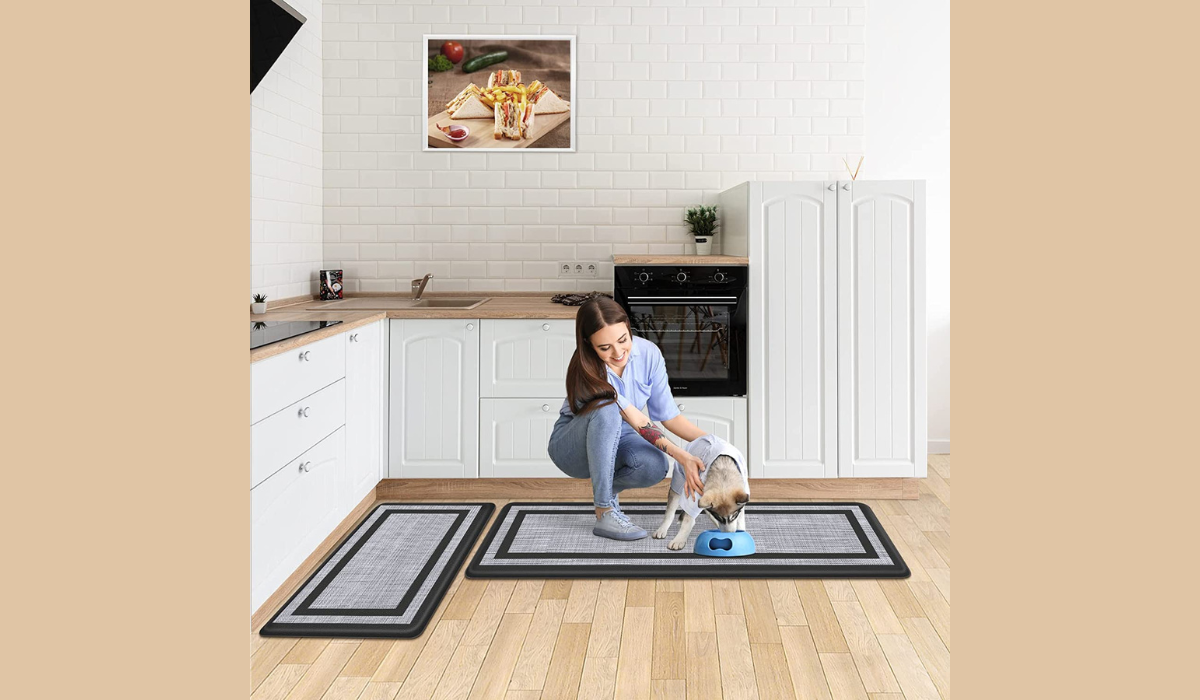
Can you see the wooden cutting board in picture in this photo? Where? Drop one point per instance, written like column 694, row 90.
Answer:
column 506, row 113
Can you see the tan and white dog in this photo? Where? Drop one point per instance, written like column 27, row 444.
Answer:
column 726, row 491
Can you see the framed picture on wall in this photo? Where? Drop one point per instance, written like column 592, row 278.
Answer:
column 496, row 92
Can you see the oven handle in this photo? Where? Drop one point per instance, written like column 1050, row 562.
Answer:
column 686, row 300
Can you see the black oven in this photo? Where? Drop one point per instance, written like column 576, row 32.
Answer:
column 697, row 315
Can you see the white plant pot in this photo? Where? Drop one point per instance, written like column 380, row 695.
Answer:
column 258, row 308
column 704, row 245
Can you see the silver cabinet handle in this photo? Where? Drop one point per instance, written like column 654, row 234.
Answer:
column 354, row 338
column 546, row 407
column 303, row 413
column 545, row 326
column 832, row 188
column 470, row 326
column 304, row 355
column 681, row 407
column 846, row 187
column 307, row 466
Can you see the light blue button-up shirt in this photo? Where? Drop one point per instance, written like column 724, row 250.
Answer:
column 643, row 383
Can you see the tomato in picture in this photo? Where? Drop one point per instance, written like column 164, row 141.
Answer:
column 453, row 51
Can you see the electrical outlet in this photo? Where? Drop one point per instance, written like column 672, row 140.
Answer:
column 578, row 270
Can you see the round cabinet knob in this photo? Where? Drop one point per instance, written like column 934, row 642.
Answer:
column 470, row 326
column 303, row 412
column 307, row 467
column 846, row 187
column 832, row 188
column 304, row 355
column 546, row 407
column 681, row 407
column 545, row 326
column 354, row 338
column 681, row 277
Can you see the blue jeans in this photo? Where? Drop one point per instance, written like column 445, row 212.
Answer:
column 594, row 446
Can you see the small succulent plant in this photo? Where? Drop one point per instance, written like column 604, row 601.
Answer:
column 703, row 220
column 260, row 298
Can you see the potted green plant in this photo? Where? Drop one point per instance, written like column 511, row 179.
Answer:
column 260, row 304
column 703, row 221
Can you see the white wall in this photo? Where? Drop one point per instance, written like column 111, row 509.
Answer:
column 285, row 161
column 908, row 136
column 772, row 92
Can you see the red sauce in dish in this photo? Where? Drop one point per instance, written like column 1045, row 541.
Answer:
column 457, row 132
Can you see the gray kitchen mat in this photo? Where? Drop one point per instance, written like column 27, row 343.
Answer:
column 388, row 576
column 793, row 540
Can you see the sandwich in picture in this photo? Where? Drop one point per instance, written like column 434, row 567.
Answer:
column 546, row 100
column 468, row 104
column 514, row 119
column 503, row 78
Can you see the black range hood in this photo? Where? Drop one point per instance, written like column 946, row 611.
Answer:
column 273, row 23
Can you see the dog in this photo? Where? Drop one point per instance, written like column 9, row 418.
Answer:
column 726, row 491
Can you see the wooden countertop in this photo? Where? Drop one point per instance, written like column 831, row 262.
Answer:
column 680, row 260
column 497, row 306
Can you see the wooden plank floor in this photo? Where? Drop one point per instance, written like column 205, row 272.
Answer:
column 832, row 639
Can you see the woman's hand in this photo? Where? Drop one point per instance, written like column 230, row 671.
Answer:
column 692, row 466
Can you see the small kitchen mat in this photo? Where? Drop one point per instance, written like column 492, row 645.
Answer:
column 793, row 540
column 388, row 576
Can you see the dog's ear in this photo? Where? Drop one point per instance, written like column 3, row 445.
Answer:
column 741, row 497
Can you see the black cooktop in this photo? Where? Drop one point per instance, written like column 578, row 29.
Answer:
column 267, row 332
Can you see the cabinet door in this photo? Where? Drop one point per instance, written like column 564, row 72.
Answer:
column 513, row 435
column 793, row 330
column 434, row 398
column 525, row 357
column 881, row 329
column 724, row 417
column 364, row 411
column 292, row 512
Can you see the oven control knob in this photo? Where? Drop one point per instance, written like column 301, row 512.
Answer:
column 681, row 277
column 643, row 277
column 719, row 277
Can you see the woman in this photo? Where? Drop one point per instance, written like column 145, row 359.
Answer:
column 601, row 434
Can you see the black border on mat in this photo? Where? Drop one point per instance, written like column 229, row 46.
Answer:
column 388, row 631
column 897, row 570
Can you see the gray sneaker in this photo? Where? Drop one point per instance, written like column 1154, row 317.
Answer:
column 615, row 526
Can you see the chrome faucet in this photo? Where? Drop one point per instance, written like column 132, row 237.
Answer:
column 418, row 286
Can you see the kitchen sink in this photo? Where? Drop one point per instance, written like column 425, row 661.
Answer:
column 391, row 303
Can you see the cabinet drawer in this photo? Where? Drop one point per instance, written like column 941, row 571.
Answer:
column 513, row 434
column 284, row 379
column 525, row 357
column 292, row 512
column 286, row 434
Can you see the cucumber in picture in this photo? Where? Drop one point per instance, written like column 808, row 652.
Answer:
column 483, row 61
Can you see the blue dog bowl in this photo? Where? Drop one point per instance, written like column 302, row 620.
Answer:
column 714, row 543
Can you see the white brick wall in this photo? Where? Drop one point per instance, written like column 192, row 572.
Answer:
column 675, row 100
column 285, row 161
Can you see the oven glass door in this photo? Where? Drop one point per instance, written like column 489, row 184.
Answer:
column 696, row 340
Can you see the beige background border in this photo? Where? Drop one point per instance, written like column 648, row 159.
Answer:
column 1075, row 370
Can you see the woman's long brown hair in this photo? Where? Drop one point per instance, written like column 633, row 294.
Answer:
column 587, row 377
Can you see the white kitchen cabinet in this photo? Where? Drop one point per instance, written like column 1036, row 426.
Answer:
column 292, row 512
column 723, row 416
column 882, row 392
column 280, row 437
column 365, row 395
column 433, row 398
column 523, row 357
column 290, row 376
column 513, row 436
column 837, row 331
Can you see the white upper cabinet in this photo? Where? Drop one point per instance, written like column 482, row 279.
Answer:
column 525, row 357
column 793, row 338
column 434, row 398
column 881, row 329
column 364, row 410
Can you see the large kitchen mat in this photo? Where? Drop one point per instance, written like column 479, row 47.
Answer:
column 388, row 576
column 793, row 540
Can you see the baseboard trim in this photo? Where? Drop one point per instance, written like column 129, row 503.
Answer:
column 939, row 447
column 309, row 565
column 580, row 489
